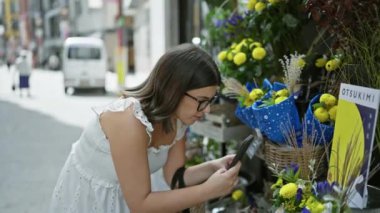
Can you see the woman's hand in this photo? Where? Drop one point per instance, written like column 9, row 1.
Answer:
column 222, row 162
column 223, row 181
column 201, row 172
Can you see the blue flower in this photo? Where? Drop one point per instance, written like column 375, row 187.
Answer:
column 250, row 86
column 305, row 210
column 219, row 23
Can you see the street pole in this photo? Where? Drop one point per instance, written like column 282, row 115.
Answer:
column 120, row 52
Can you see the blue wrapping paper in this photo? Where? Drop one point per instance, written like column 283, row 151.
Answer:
column 240, row 114
column 319, row 132
column 274, row 120
column 245, row 114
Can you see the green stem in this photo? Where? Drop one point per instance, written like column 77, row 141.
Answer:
column 315, row 41
column 223, row 4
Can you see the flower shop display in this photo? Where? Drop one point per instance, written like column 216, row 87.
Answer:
column 303, row 50
column 250, row 40
column 274, row 113
column 294, row 194
column 244, row 60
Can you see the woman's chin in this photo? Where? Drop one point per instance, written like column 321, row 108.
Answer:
column 191, row 120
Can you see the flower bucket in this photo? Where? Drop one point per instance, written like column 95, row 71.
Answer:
column 319, row 132
column 278, row 119
column 283, row 156
column 245, row 114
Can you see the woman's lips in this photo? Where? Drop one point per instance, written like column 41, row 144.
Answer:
column 198, row 117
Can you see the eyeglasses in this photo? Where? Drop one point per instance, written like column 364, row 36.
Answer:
column 202, row 104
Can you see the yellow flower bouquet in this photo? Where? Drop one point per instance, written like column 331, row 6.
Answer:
column 291, row 194
column 320, row 117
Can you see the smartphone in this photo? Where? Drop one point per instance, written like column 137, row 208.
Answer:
column 241, row 151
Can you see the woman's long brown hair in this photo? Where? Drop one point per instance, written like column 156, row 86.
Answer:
column 183, row 68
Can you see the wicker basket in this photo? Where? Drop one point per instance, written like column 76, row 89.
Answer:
column 283, row 156
column 200, row 208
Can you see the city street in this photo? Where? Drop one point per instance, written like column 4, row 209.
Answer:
column 36, row 134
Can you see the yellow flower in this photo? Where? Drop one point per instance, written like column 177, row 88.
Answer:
column 240, row 58
column 259, row 53
column 289, row 190
column 237, row 194
column 314, row 206
column 255, row 44
column 230, row 55
column 301, row 63
column 278, row 183
column 251, row 4
column 273, row 1
column 260, row 6
column 280, row 99
column 328, row 99
column 222, row 55
column 256, row 94
column 332, row 64
column 282, row 93
column 238, row 47
column 248, row 102
column 319, row 208
column 320, row 62
column 332, row 112
column 321, row 114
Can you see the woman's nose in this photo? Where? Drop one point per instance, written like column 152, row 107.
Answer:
column 207, row 109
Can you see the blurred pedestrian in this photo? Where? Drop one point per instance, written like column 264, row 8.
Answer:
column 9, row 64
column 109, row 167
column 24, row 70
column 53, row 62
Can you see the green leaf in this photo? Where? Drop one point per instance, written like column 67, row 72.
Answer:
column 317, row 105
column 290, row 20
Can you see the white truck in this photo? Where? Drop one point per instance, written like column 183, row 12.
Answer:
column 84, row 63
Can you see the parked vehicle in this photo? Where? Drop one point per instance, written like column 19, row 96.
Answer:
column 84, row 63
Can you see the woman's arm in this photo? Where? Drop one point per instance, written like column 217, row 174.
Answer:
column 195, row 174
column 176, row 159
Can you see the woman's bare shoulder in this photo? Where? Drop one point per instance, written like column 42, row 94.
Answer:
column 122, row 124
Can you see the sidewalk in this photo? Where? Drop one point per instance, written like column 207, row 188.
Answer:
column 6, row 79
column 131, row 80
column 48, row 96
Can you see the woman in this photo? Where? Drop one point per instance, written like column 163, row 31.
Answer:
column 24, row 71
column 109, row 167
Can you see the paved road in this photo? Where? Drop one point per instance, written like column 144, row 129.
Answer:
column 33, row 149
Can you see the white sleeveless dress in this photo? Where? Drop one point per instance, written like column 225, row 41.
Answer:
column 88, row 181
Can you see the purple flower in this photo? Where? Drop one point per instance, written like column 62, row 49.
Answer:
column 295, row 167
column 247, row 12
column 292, row 168
column 235, row 19
column 219, row 23
column 299, row 195
column 323, row 188
column 305, row 210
